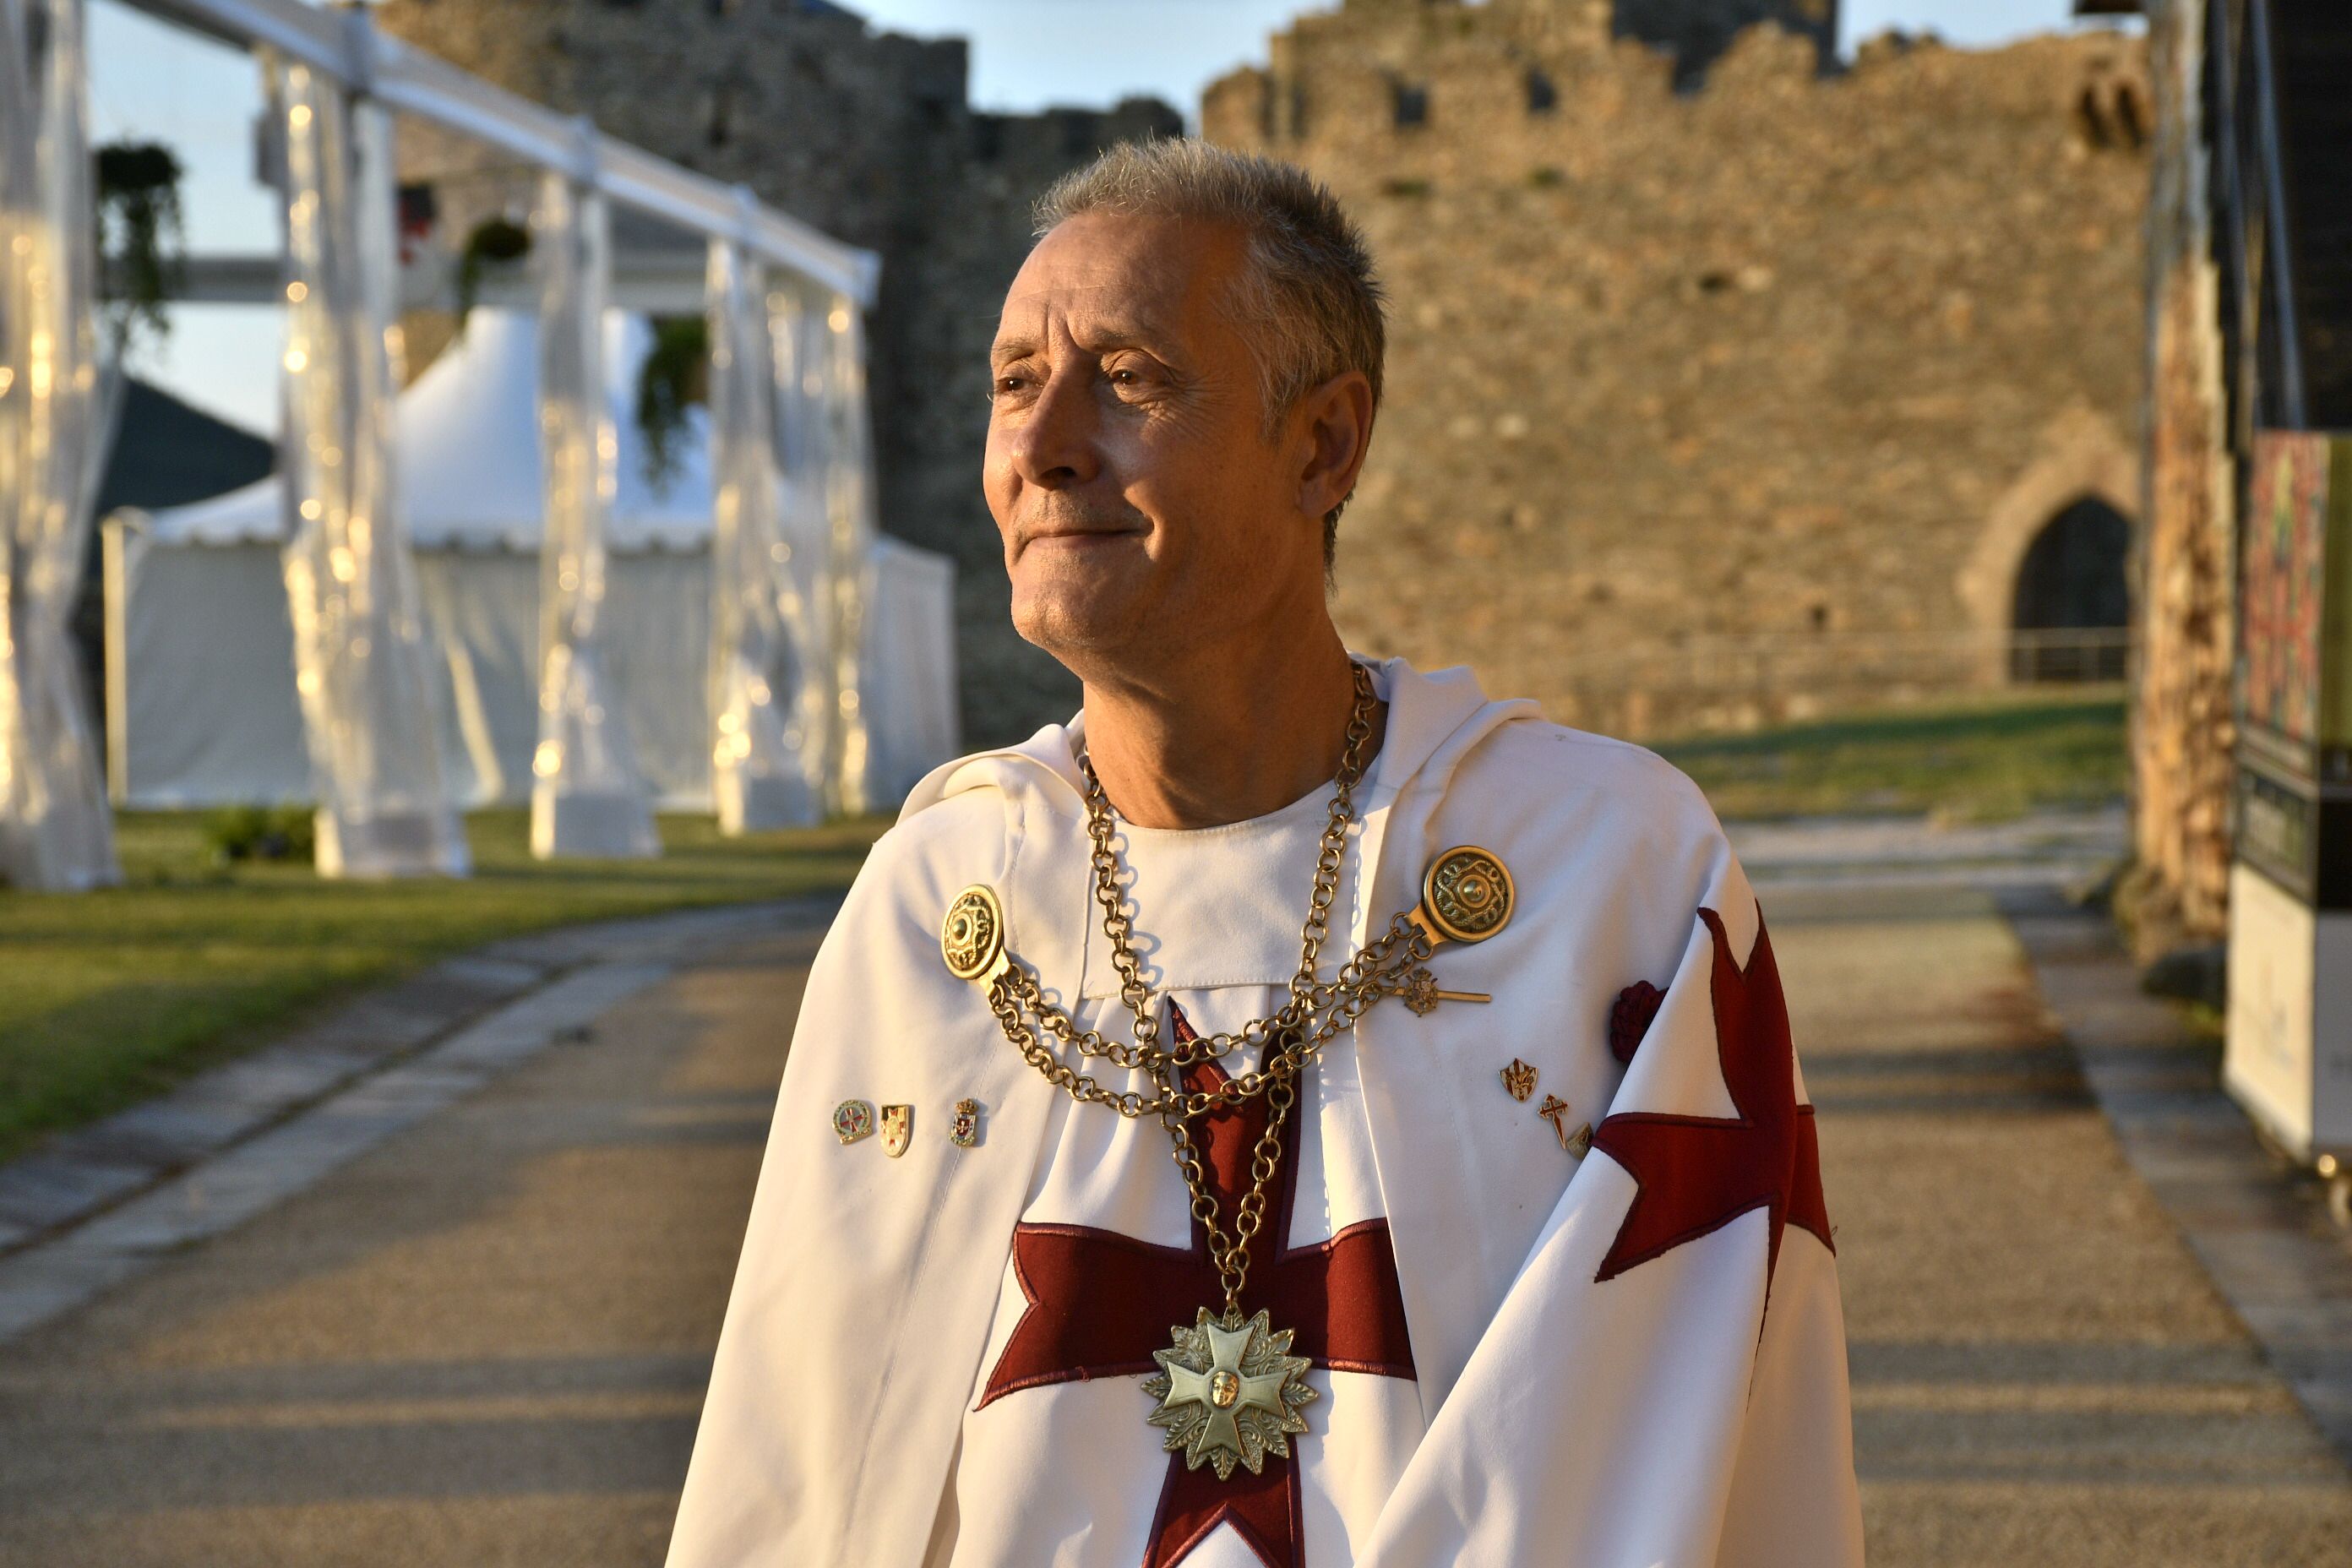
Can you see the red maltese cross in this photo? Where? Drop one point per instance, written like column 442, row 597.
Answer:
column 1100, row 1303
column 1698, row 1174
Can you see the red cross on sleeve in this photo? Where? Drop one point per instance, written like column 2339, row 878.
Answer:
column 1696, row 1174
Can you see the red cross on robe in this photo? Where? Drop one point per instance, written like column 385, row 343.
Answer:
column 1099, row 1303
column 1696, row 1174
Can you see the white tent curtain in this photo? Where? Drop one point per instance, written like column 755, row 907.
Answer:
column 768, row 745
column 205, row 708
column 588, row 796
column 209, row 705
column 850, row 509
column 364, row 670
column 799, row 344
column 55, row 830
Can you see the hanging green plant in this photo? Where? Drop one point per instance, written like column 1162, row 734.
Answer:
column 494, row 239
column 675, row 376
column 139, row 236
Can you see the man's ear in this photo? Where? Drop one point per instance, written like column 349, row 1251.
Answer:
column 1337, row 420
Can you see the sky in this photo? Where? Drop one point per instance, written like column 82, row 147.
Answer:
column 150, row 81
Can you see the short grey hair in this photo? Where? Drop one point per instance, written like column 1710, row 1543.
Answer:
column 1309, row 287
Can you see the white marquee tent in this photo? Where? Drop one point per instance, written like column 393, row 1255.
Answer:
column 200, row 669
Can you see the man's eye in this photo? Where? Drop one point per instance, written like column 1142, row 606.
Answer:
column 1006, row 386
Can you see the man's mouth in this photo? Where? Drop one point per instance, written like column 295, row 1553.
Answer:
column 1078, row 538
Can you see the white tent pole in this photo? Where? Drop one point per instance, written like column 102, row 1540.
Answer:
column 55, row 831
column 363, row 671
column 767, row 758
column 800, row 345
column 851, row 512
column 588, row 796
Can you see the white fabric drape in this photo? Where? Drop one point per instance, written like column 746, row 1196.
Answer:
column 362, row 667
column 768, row 709
column 55, row 830
column 802, row 345
column 588, row 796
column 207, row 709
column 850, row 509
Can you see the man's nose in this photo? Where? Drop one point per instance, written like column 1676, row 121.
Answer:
column 1053, row 446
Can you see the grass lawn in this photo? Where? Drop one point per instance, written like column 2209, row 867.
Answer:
column 1978, row 763
column 108, row 997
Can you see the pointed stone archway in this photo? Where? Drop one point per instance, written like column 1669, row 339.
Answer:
column 2084, row 477
column 2073, row 579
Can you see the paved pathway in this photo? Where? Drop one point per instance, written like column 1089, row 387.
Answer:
column 2042, row 1372
column 483, row 1341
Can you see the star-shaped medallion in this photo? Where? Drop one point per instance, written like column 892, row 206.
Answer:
column 1229, row 1391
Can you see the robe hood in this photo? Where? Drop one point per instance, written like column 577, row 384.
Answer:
column 1435, row 719
column 1432, row 716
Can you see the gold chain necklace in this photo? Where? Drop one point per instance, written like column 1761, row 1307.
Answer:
column 1231, row 1253
column 1229, row 1391
column 1327, row 861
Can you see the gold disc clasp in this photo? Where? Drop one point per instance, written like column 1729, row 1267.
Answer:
column 972, row 937
column 1466, row 895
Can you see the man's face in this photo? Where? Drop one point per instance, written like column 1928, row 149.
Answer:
column 1140, row 502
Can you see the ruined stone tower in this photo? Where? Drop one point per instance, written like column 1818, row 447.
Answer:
column 1523, row 44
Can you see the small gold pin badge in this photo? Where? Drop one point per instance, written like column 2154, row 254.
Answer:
column 1518, row 1080
column 1554, row 1109
column 1421, row 993
column 852, row 1120
column 898, row 1129
column 963, row 1130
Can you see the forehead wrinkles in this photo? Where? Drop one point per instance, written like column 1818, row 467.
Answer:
column 1086, row 313
column 1135, row 293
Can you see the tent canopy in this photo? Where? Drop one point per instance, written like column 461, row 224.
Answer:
column 199, row 662
column 466, row 435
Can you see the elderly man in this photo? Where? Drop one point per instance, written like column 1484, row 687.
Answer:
column 1301, row 1112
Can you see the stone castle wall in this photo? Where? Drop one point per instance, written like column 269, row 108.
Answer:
column 1717, row 405
column 1685, row 346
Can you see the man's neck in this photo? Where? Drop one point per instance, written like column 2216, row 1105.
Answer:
column 1226, row 738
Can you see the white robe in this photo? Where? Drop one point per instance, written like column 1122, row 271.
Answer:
column 1591, row 1393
